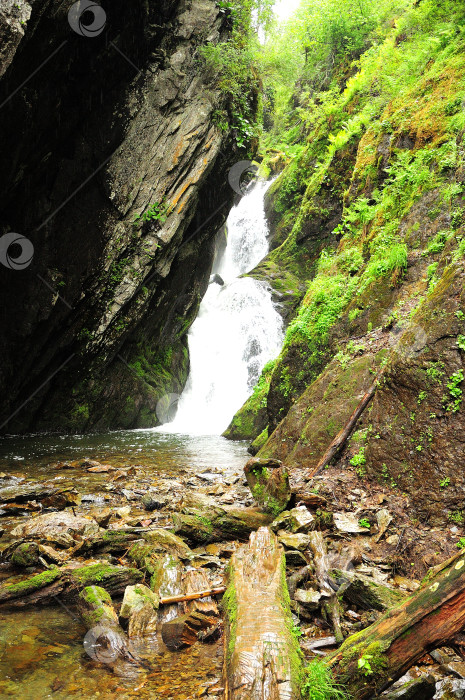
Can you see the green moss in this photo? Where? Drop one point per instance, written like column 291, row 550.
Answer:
column 33, row 583
column 229, row 604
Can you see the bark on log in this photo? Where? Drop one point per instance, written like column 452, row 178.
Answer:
column 371, row 660
column 262, row 656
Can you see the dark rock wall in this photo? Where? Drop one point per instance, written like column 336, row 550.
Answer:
column 108, row 128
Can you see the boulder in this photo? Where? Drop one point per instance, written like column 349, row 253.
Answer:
column 139, row 610
column 295, row 520
column 295, row 540
column 52, row 525
column 26, row 554
column 364, row 591
column 152, row 501
column 166, row 541
column 423, row 688
column 309, row 597
column 268, row 480
column 348, row 523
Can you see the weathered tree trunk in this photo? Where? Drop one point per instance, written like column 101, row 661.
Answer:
column 262, row 659
column 105, row 640
column 320, row 559
column 371, row 660
column 192, row 596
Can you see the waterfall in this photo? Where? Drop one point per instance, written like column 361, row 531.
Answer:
column 237, row 330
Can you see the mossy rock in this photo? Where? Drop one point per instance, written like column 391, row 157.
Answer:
column 268, row 480
column 26, row 554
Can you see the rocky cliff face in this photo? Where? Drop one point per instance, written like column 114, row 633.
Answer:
column 370, row 215
column 112, row 167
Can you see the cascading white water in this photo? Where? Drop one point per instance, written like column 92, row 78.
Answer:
column 236, row 332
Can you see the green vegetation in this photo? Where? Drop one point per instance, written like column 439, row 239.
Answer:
column 233, row 67
column 158, row 211
column 454, row 400
column 318, row 684
column 461, row 543
column 363, row 522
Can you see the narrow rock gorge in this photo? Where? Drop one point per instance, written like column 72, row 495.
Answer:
column 232, row 359
column 116, row 171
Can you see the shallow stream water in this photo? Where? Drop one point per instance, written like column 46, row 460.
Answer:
column 41, row 648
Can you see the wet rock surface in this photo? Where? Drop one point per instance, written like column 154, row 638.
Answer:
column 115, row 308
column 369, row 569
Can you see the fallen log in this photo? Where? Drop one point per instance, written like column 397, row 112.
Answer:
column 202, row 520
column 45, row 586
column 371, row 660
column 262, row 656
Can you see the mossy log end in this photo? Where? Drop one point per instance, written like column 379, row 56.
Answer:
column 105, row 641
column 262, row 657
column 369, row 661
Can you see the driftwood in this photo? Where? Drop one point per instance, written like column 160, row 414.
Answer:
column 343, row 435
column 200, row 620
column 371, row 660
column 262, row 658
column 192, row 596
column 185, row 630
column 44, row 587
column 331, row 606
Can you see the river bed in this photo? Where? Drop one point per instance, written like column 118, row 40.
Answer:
column 41, row 648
